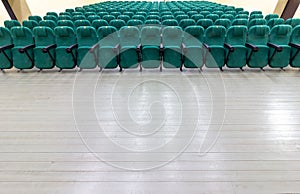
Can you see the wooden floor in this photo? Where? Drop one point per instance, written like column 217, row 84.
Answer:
column 150, row 132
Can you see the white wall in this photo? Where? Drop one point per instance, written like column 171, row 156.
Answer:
column 3, row 14
column 297, row 14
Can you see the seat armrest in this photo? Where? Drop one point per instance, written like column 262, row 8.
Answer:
column 207, row 47
column 252, row 46
column 22, row 50
column 161, row 47
column 139, row 48
column 116, row 48
column 183, row 47
column 297, row 46
column 71, row 48
column 276, row 47
column 5, row 47
column 94, row 47
column 226, row 45
column 47, row 48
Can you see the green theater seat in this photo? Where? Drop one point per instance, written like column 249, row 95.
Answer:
column 214, row 39
column 23, row 47
column 6, row 44
column 172, row 44
column 129, row 47
column 87, row 47
column 108, row 47
column 44, row 51
column 236, row 50
column 192, row 47
column 66, row 50
column 150, row 43
column 279, row 54
column 258, row 51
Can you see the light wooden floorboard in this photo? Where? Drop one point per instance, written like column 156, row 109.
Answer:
column 77, row 132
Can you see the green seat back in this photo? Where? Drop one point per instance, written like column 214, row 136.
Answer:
column 50, row 17
column 35, row 18
column 280, row 34
column 197, row 17
column 68, row 23
column 64, row 17
column 213, row 17
column 117, row 23
column 275, row 21
column 170, row 22
column 52, row 14
column 79, row 23
column 49, row 23
column 152, row 22
column 271, row 16
column 186, row 22
column 205, row 23
column 30, row 24
column 241, row 16
column 193, row 33
column 139, row 17
column 223, row 22
column 293, row 22
column 227, row 16
column 125, row 18
column 108, row 36
column 11, row 23
column 99, row 23
column 255, row 22
column 239, row 22
column 133, row 22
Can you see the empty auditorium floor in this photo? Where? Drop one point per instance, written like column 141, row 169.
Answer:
column 150, row 132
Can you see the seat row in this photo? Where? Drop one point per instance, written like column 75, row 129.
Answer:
column 118, row 23
column 150, row 46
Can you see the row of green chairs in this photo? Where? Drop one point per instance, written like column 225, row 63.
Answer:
column 152, row 47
